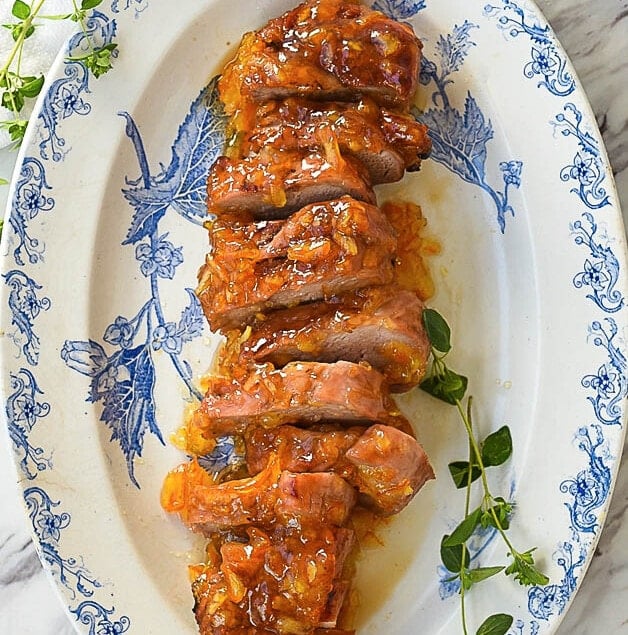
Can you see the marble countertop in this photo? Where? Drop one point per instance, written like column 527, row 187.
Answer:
column 595, row 35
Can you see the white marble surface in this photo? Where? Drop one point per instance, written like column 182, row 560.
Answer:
column 595, row 35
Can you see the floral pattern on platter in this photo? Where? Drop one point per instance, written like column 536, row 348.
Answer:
column 65, row 97
column 399, row 9
column 460, row 138
column 600, row 273
column 546, row 61
column 124, row 5
column 587, row 168
column 610, row 382
column 124, row 380
column 29, row 200
column 23, row 410
column 25, row 306
column 47, row 524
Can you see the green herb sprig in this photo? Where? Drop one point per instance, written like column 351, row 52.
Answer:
column 494, row 511
column 18, row 89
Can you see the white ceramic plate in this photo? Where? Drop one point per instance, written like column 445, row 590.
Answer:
column 102, row 244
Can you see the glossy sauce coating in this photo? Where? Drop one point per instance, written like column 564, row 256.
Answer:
column 324, row 48
column 323, row 249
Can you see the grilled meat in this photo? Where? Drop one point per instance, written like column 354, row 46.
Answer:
column 380, row 325
column 322, row 250
column 283, row 580
column 386, row 465
column 326, row 50
column 385, row 142
column 273, row 496
column 306, row 392
column 274, row 184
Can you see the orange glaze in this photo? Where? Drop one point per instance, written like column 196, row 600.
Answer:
column 356, row 127
column 282, row 580
column 251, row 263
column 325, row 45
column 413, row 247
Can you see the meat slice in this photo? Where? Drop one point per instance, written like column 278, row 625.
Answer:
column 305, row 392
column 320, row 251
column 285, row 580
column 327, row 50
column 390, row 468
column 275, row 184
column 298, row 449
column 386, row 143
column 380, row 325
column 270, row 497
column 386, row 465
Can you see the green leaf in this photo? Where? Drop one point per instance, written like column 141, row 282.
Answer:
column 90, row 4
column 32, row 88
column 452, row 556
column 3, row 181
column 497, row 624
column 459, row 471
column 483, row 573
column 464, row 530
column 437, row 329
column 497, row 447
column 449, row 387
column 20, row 10
column 524, row 571
column 502, row 510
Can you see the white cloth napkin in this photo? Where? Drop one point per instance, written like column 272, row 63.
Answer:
column 39, row 50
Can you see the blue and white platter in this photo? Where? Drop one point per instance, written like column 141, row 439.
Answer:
column 103, row 341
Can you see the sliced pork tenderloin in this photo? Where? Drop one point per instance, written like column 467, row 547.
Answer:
column 273, row 184
column 322, row 250
column 380, row 325
column 326, row 50
column 300, row 392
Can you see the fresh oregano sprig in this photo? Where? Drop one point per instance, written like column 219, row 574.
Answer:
column 494, row 511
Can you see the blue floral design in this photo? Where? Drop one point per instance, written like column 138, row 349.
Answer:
column 587, row 168
column 600, row 273
column 546, row 62
column 123, row 379
column 29, row 200
column 519, row 628
column 97, row 618
column 23, row 410
column 123, row 5
column 25, row 307
column 543, row 602
column 460, row 139
column 610, row 383
column 65, row 97
column 590, row 488
column 48, row 526
column 399, row 9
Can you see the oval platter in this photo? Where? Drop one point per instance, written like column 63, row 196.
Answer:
column 103, row 341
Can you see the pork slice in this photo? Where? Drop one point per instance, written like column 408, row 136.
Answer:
column 386, row 143
column 299, row 449
column 390, row 468
column 280, row 580
column 380, row 325
column 313, row 496
column 300, row 392
column 326, row 50
column 274, row 184
column 320, row 251
column 269, row 497
column 387, row 466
